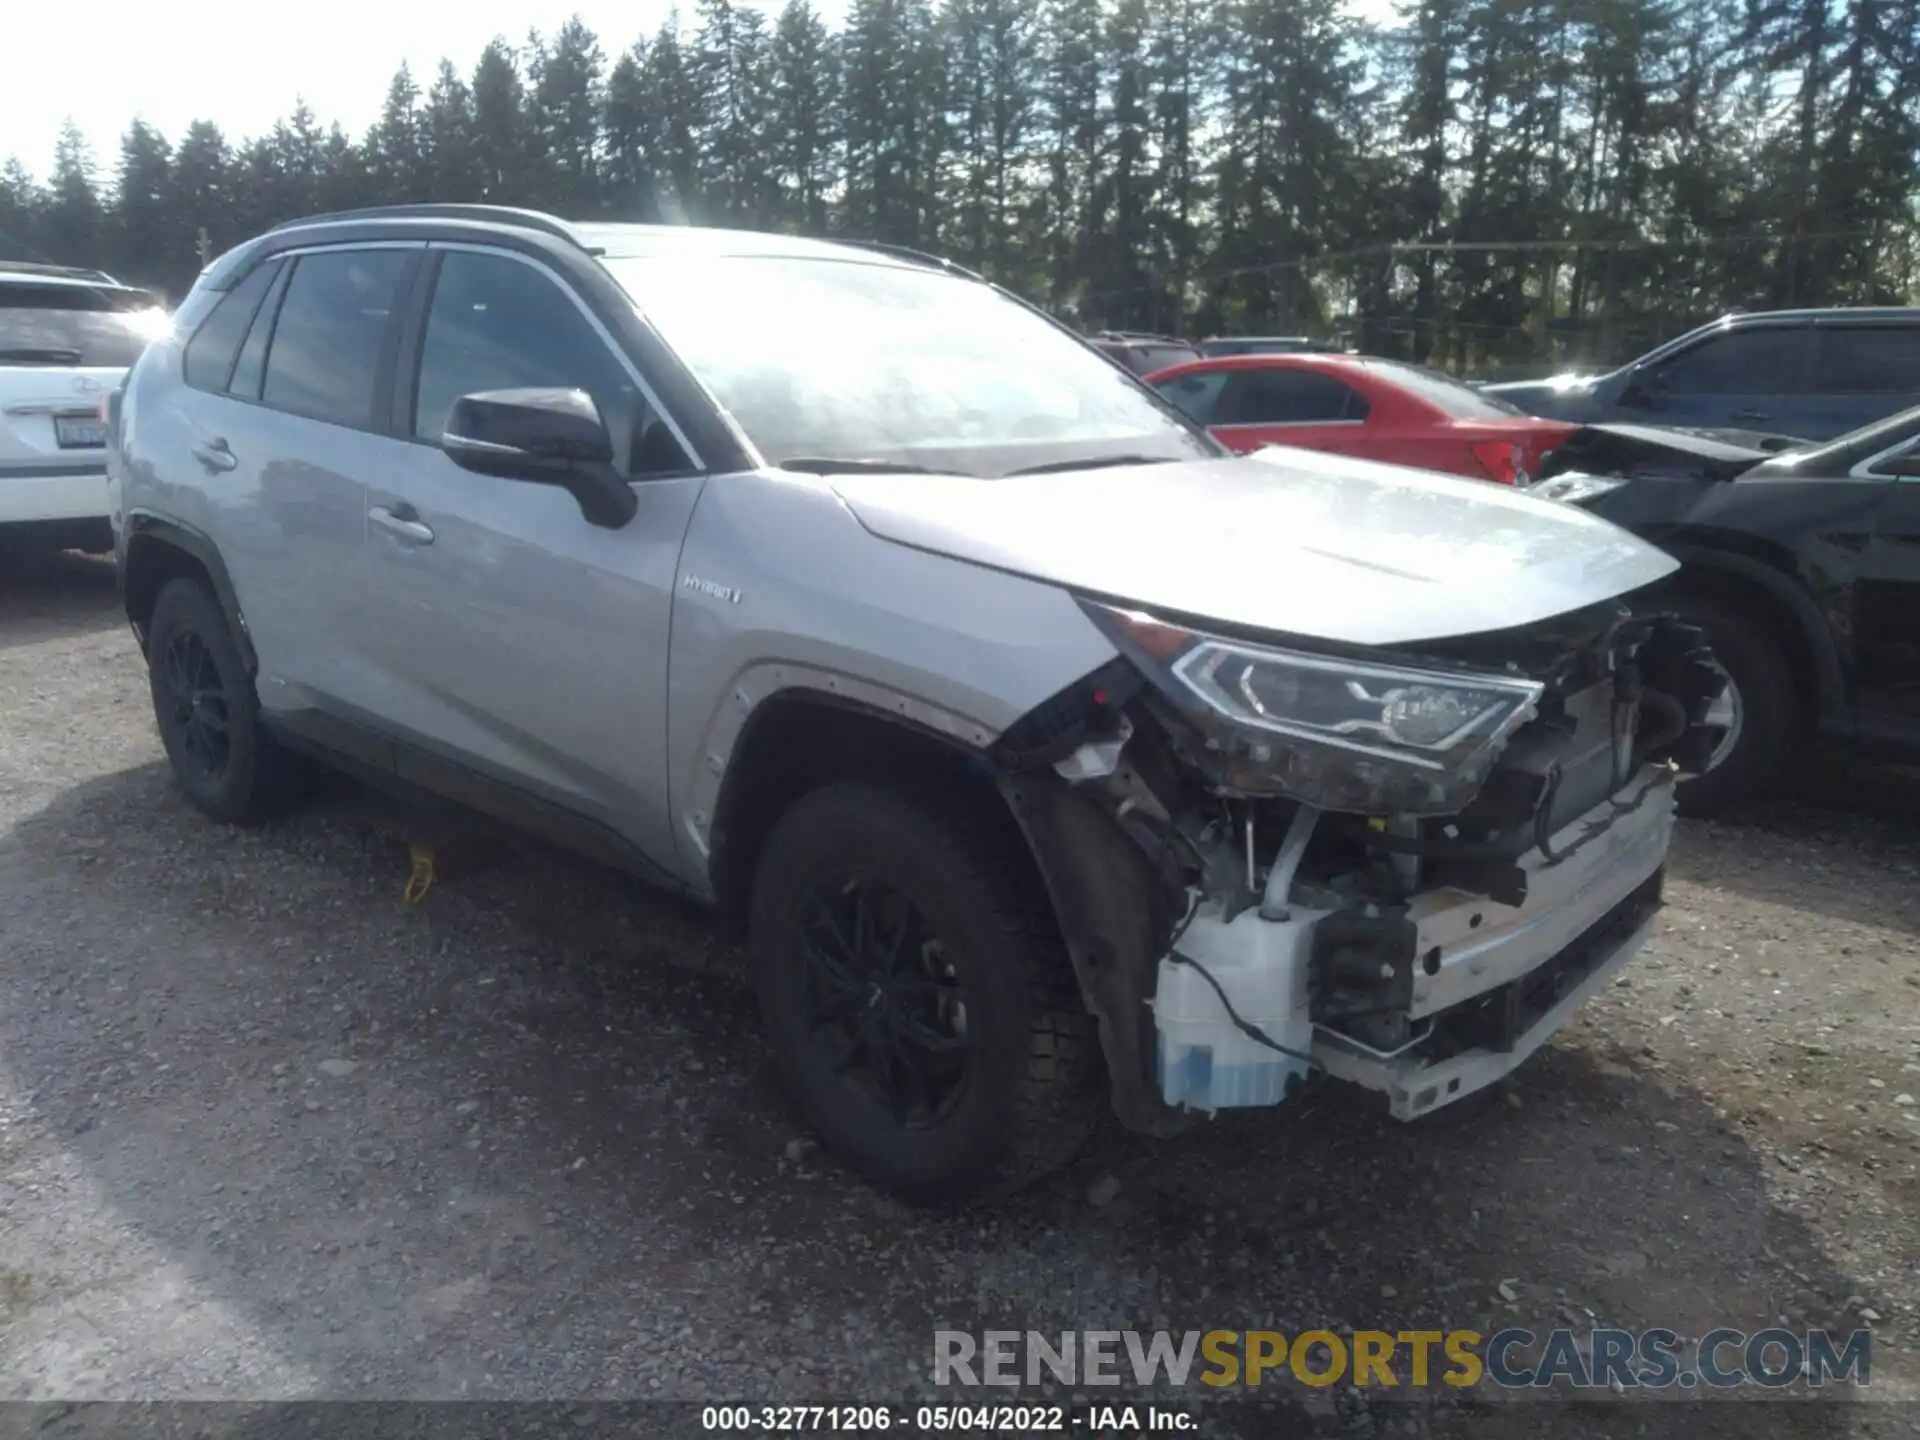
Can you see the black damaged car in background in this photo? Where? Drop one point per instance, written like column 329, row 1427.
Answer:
column 1802, row 564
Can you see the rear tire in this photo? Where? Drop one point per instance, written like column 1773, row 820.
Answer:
column 222, row 758
column 1769, row 714
column 920, row 1006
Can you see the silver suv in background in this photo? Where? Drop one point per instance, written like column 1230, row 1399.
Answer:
column 1036, row 747
column 67, row 337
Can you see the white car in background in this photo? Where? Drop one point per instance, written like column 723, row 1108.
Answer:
column 67, row 337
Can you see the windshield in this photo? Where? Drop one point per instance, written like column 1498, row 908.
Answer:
column 831, row 359
column 75, row 325
column 1452, row 397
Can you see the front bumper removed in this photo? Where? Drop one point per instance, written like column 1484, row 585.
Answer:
column 1493, row 983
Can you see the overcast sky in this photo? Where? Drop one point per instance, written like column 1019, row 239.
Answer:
column 241, row 64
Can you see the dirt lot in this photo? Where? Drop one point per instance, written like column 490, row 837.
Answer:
column 267, row 1132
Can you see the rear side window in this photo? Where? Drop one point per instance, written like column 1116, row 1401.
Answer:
column 1198, row 395
column 1446, row 394
column 1864, row 360
column 1765, row 361
column 77, row 325
column 251, row 368
column 325, row 354
column 210, row 353
column 1288, row 397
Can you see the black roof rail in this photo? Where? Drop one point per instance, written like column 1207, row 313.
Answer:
column 491, row 214
column 64, row 272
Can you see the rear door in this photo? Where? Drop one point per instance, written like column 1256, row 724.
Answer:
column 1290, row 407
column 1862, row 373
column 63, row 346
column 1749, row 378
column 286, row 435
column 512, row 638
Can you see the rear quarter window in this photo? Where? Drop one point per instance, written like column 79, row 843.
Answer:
column 210, row 353
column 1453, row 398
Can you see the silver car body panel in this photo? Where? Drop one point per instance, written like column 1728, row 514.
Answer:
column 1285, row 541
column 824, row 606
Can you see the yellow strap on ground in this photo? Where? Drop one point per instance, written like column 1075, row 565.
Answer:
column 421, row 880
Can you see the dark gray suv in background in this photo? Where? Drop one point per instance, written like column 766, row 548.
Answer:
column 1815, row 374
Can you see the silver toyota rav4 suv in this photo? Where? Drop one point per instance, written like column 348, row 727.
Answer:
column 1043, row 754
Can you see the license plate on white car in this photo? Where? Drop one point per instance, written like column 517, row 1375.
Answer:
column 79, row 432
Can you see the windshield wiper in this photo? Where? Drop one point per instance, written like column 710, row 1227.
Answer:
column 833, row 465
column 1092, row 462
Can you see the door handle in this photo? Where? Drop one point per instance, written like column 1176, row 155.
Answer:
column 215, row 455
column 401, row 526
column 1751, row 415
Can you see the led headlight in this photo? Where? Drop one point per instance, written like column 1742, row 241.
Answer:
column 1427, row 719
column 1345, row 734
column 1575, row 489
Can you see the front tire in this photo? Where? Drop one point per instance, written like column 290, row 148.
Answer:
column 921, row 1009
column 223, row 760
column 1760, row 702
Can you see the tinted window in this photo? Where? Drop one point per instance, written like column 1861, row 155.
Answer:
column 251, row 367
column 327, row 339
column 1765, row 361
column 1881, row 360
column 498, row 324
column 1446, row 394
column 1288, row 397
column 209, row 357
column 46, row 323
column 1198, row 395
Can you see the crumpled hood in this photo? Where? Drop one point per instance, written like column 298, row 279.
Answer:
column 1292, row 541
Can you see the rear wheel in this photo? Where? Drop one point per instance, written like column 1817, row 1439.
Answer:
column 1757, row 712
column 203, row 702
column 921, row 1011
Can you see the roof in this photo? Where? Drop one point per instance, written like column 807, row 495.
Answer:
column 617, row 241
column 1851, row 312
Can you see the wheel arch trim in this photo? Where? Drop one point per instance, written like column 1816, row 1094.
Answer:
column 745, row 700
column 197, row 546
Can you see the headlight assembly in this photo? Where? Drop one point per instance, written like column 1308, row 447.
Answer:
column 1343, row 734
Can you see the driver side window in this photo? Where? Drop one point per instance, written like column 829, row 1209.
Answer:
column 498, row 323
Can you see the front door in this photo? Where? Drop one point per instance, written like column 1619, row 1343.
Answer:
column 1752, row 378
column 514, row 638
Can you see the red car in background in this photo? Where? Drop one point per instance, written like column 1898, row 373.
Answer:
column 1368, row 408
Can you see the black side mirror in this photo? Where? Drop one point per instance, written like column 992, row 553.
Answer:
column 547, row 437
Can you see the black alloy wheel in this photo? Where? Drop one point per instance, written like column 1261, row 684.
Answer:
column 881, row 997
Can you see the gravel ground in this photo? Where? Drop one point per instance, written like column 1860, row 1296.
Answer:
column 266, row 1132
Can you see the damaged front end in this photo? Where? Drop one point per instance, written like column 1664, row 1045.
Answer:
column 1405, row 869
